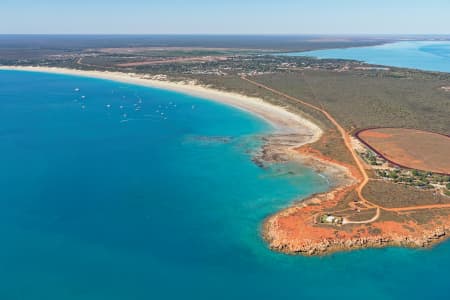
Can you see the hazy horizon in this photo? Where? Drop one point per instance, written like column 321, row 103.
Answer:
column 198, row 17
column 373, row 35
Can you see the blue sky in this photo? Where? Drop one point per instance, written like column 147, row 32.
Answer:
column 225, row 16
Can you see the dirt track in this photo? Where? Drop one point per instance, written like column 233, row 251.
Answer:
column 347, row 141
column 344, row 134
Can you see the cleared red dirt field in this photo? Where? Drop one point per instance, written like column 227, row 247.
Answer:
column 410, row 148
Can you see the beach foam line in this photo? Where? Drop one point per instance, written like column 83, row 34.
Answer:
column 283, row 120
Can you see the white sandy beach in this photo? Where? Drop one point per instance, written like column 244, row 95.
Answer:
column 283, row 120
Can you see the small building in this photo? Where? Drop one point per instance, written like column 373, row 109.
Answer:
column 330, row 219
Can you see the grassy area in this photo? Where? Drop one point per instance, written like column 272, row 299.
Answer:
column 362, row 216
column 427, row 216
column 393, row 195
column 362, row 99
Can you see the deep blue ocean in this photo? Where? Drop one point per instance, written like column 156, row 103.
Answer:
column 116, row 191
column 424, row 55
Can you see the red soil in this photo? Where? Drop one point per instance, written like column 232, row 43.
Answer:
column 296, row 230
column 198, row 59
column 410, row 148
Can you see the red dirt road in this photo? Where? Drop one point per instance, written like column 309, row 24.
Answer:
column 347, row 141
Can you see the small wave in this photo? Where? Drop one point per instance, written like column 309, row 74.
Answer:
column 325, row 177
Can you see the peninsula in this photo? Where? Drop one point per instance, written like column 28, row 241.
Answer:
column 166, row 149
column 356, row 123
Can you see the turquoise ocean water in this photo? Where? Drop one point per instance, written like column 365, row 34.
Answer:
column 430, row 56
column 118, row 191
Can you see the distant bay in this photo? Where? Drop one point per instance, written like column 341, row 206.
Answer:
column 422, row 55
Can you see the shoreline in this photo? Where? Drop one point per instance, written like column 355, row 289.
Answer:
column 290, row 134
column 282, row 120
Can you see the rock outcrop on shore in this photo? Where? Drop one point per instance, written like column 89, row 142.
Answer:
column 295, row 230
column 325, row 246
